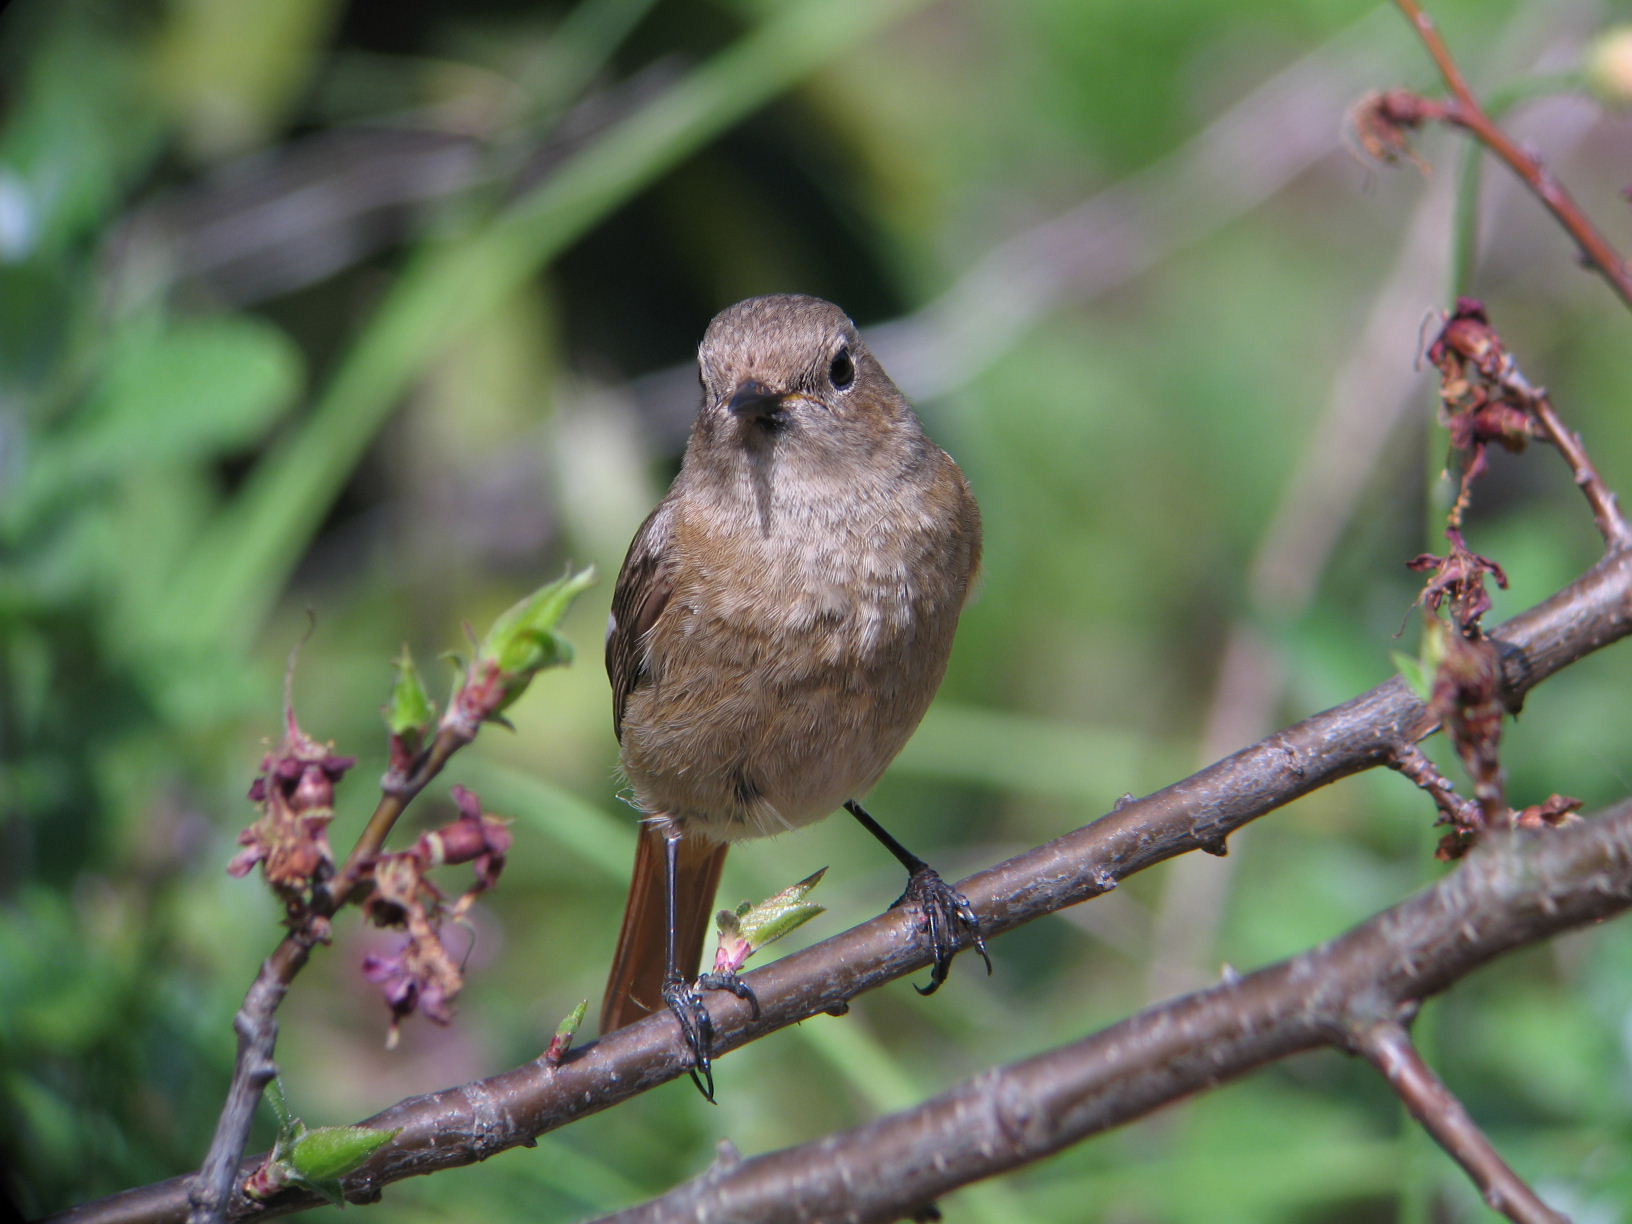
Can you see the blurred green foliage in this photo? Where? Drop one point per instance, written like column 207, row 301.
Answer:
column 352, row 308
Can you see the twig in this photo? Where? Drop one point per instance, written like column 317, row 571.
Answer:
column 1465, row 111
column 393, row 802
column 211, row 1192
column 1482, row 388
column 1413, row 763
column 474, row 1121
column 1606, row 507
column 1388, row 1047
column 1511, row 892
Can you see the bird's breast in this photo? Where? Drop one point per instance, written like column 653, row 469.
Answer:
column 790, row 666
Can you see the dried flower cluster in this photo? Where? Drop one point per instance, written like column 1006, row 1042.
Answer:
column 422, row 974
column 295, row 793
column 1485, row 401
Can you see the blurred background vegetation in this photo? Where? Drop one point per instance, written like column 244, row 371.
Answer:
column 386, row 312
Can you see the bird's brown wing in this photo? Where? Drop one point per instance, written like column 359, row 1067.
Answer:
column 640, row 966
column 644, row 586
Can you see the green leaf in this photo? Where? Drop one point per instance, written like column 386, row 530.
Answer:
column 564, row 1033
column 571, row 1022
column 316, row 1159
column 325, row 1155
column 410, row 712
column 280, row 1105
column 774, row 917
column 523, row 641
column 1420, row 670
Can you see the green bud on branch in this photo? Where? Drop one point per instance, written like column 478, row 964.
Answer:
column 561, row 1043
column 521, row 643
column 314, row 1160
column 749, row 927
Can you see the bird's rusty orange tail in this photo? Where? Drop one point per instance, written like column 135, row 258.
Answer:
column 635, row 987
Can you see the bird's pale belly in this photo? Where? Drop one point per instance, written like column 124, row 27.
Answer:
column 779, row 718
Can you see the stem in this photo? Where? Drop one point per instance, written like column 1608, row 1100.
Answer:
column 1413, row 763
column 1465, row 226
column 1464, row 111
column 1606, row 507
column 393, row 802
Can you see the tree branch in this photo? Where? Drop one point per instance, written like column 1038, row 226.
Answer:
column 1413, row 763
column 1388, row 1047
column 1512, row 890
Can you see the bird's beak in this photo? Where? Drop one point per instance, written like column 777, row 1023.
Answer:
column 754, row 400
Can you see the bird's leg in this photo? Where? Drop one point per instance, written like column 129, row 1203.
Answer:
column 944, row 910
column 696, row 1025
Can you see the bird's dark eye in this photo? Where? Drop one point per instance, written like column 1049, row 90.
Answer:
column 843, row 370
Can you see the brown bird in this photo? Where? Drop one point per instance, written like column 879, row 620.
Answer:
column 780, row 625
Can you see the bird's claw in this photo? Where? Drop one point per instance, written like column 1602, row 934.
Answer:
column 944, row 913
column 697, row 1026
column 696, row 1030
column 731, row 984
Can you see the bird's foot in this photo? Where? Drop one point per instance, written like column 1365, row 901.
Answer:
column 731, row 984
column 697, row 1026
column 944, row 914
column 696, row 1030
